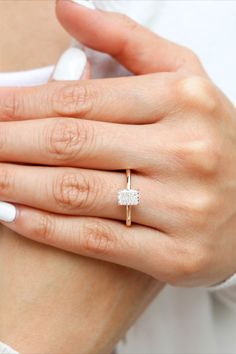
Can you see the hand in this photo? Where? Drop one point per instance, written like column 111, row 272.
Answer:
column 64, row 298
column 174, row 129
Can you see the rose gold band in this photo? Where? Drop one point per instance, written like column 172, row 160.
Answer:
column 128, row 197
column 128, row 207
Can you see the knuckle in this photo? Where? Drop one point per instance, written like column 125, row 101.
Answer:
column 207, row 159
column 3, row 137
column 128, row 22
column 208, row 156
column 132, row 27
column 66, row 139
column 43, row 227
column 6, row 180
column 200, row 211
column 202, row 156
column 197, row 93
column 73, row 100
column 189, row 266
column 191, row 56
column 72, row 190
column 98, row 238
column 10, row 105
column 204, row 203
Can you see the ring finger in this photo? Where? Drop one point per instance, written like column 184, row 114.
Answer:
column 72, row 191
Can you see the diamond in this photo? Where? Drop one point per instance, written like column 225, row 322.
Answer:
column 128, row 197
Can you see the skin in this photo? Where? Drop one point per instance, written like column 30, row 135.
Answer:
column 52, row 301
column 55, row 302
column 47, row 42
column 176, row 131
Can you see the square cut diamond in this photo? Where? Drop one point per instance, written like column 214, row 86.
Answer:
column 128, row 197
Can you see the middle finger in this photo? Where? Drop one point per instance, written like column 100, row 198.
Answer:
column 74, row 143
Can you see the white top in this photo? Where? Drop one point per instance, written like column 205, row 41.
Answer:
column 26, row 78
column 180, row 320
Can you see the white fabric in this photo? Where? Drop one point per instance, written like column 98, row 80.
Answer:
column 26, row 78
column 5, row 349
column 181, row 320
column 231, row 281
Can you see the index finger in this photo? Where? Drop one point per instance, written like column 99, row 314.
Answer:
column 133, row 100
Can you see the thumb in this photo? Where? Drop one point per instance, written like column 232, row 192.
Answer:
column 134, row 46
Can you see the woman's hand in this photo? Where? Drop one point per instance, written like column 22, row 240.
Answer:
column 57, row 302
column 174, row 129
column 68, row 303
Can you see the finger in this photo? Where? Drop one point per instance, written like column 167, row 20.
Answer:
column 134, row 100
column 134, row 46
column 71, row 66
column 73, row 191
column 75, row 143
column 103, row 239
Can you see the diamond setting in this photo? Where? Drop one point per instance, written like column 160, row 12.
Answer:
column 128, row 197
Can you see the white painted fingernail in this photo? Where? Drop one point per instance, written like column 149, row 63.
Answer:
column 85, row 3
column 71, row 65
column 7, row 212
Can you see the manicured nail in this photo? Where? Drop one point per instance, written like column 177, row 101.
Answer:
column 71, row 65
column 7, row 212
column 85, row 3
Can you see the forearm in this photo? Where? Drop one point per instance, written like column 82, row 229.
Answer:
column 55, row 302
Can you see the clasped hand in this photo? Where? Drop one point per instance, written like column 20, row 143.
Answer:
column 169, row 124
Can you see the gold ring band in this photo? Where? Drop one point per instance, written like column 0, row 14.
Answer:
column 128, row 197
column 128, row 207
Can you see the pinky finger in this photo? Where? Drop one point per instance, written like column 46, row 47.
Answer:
column 138, row 247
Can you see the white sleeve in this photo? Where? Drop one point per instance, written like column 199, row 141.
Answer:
column 5, row 349
column 228, row 283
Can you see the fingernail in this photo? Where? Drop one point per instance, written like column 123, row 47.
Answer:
column 85, row 3
column 7, row 212
column 71, row 65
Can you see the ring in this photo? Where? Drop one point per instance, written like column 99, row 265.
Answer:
column 128, row 197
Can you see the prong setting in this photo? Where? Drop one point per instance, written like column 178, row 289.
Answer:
column 128, row 197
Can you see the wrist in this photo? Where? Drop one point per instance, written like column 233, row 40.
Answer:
column 67, row 303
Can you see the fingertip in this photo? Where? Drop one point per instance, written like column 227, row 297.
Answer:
column 28, row 222
column 89, row 27
column 66, row 9
column 8, row 212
